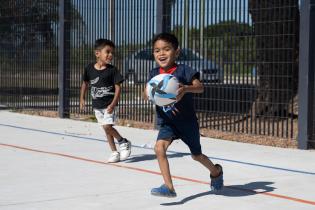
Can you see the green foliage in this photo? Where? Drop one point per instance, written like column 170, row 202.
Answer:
column 82, row 55
column 229, row 43
column 27, row 25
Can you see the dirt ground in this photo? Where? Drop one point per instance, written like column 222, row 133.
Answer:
column 232, row 136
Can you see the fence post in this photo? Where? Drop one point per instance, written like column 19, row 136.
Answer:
column 163, row 16
column 160, row 27
column 185, row 28
column 163, row 24
column 64, row 60
column 112, row 20
column 306, row 73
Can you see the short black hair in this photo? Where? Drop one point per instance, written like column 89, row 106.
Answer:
column 101, row 43
column 167, row 37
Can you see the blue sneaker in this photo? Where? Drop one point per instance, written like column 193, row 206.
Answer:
column 163, row 191
column 217, row 182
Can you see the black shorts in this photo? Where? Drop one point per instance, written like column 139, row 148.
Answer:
column 188, row 132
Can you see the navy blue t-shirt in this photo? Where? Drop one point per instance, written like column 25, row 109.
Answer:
column 185, row 106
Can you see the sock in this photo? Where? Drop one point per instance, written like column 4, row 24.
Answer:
column 122, row 140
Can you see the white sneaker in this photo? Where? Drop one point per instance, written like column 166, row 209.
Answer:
column 125, row 150
column 114, row 157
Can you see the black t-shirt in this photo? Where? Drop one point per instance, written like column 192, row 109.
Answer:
column 102, row 84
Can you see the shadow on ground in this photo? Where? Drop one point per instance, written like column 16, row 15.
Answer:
column 145, row 157
column 249, row 189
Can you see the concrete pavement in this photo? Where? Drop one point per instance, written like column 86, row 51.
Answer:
column 60, row 164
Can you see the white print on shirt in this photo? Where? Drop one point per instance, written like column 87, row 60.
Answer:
column 101, row 92
column 94, row 81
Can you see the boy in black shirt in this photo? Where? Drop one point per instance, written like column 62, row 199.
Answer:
column 104, row 80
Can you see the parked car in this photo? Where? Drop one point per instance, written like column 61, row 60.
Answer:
column 137, row 65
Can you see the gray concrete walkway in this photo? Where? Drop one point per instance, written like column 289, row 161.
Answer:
column 60, row 164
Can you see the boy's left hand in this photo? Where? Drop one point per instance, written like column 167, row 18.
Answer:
column 180, row 92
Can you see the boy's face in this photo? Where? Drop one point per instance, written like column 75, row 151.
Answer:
column 105, row 55
column 165, row 54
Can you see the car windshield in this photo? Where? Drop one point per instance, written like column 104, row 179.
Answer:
column 187, row 55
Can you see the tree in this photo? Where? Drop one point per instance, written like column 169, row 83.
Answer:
column 276, row 30
column 25, row 24
column 218, row 36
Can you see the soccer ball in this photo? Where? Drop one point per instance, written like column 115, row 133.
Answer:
column 162, row 89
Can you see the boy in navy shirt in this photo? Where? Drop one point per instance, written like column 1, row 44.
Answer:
column 104, row 80
column 179, row 121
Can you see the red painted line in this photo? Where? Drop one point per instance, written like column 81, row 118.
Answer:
column 158, row 173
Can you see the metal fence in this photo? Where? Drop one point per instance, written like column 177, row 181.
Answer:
column 306, row 135
column 246, row 50
column 28, row 54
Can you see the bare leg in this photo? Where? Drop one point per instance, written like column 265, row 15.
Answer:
column 160, row 151
column 110, row 137
column 204, row 160
column 109, row 129
column 115, row 133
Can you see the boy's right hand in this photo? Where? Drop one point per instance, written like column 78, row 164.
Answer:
column 82, row 105
column 145, row 95
column 181, row 91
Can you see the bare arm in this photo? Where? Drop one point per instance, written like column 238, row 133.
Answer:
column 145, row 95
column 83, row 90
column 195, row 87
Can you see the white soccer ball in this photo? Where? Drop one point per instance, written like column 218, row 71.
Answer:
column 162, row 89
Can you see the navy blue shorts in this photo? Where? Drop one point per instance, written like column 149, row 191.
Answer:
column 188, row 132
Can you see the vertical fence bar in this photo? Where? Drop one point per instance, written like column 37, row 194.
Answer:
column 112, row 20
column 162, row 19
column 63, row 59
column 306, row 73
column 159, row 16
column 185, row 25
column 202, row 26
column 160, row 27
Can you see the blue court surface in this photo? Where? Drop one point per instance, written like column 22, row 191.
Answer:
column 60, row 164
